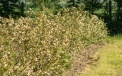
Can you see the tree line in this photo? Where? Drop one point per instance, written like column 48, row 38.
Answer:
column 109, row 10
column 11, row 7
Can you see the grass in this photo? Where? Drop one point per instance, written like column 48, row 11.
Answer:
column 110, row 62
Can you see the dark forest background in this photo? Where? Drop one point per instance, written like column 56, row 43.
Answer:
column 109, row 10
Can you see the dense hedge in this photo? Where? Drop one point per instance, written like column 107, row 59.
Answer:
column 43, row 46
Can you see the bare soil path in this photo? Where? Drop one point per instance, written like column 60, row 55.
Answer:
column 85, row 57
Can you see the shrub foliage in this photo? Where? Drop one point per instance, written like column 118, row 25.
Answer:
column 43, row 46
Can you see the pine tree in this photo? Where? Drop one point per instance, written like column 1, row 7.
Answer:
column 74, row 3
column 7, row 7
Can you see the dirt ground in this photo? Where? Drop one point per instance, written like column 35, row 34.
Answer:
column 85, row 57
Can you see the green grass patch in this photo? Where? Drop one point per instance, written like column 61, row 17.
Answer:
column 110, row 62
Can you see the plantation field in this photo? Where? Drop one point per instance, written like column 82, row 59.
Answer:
column 110, row 60
column 60, row 38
